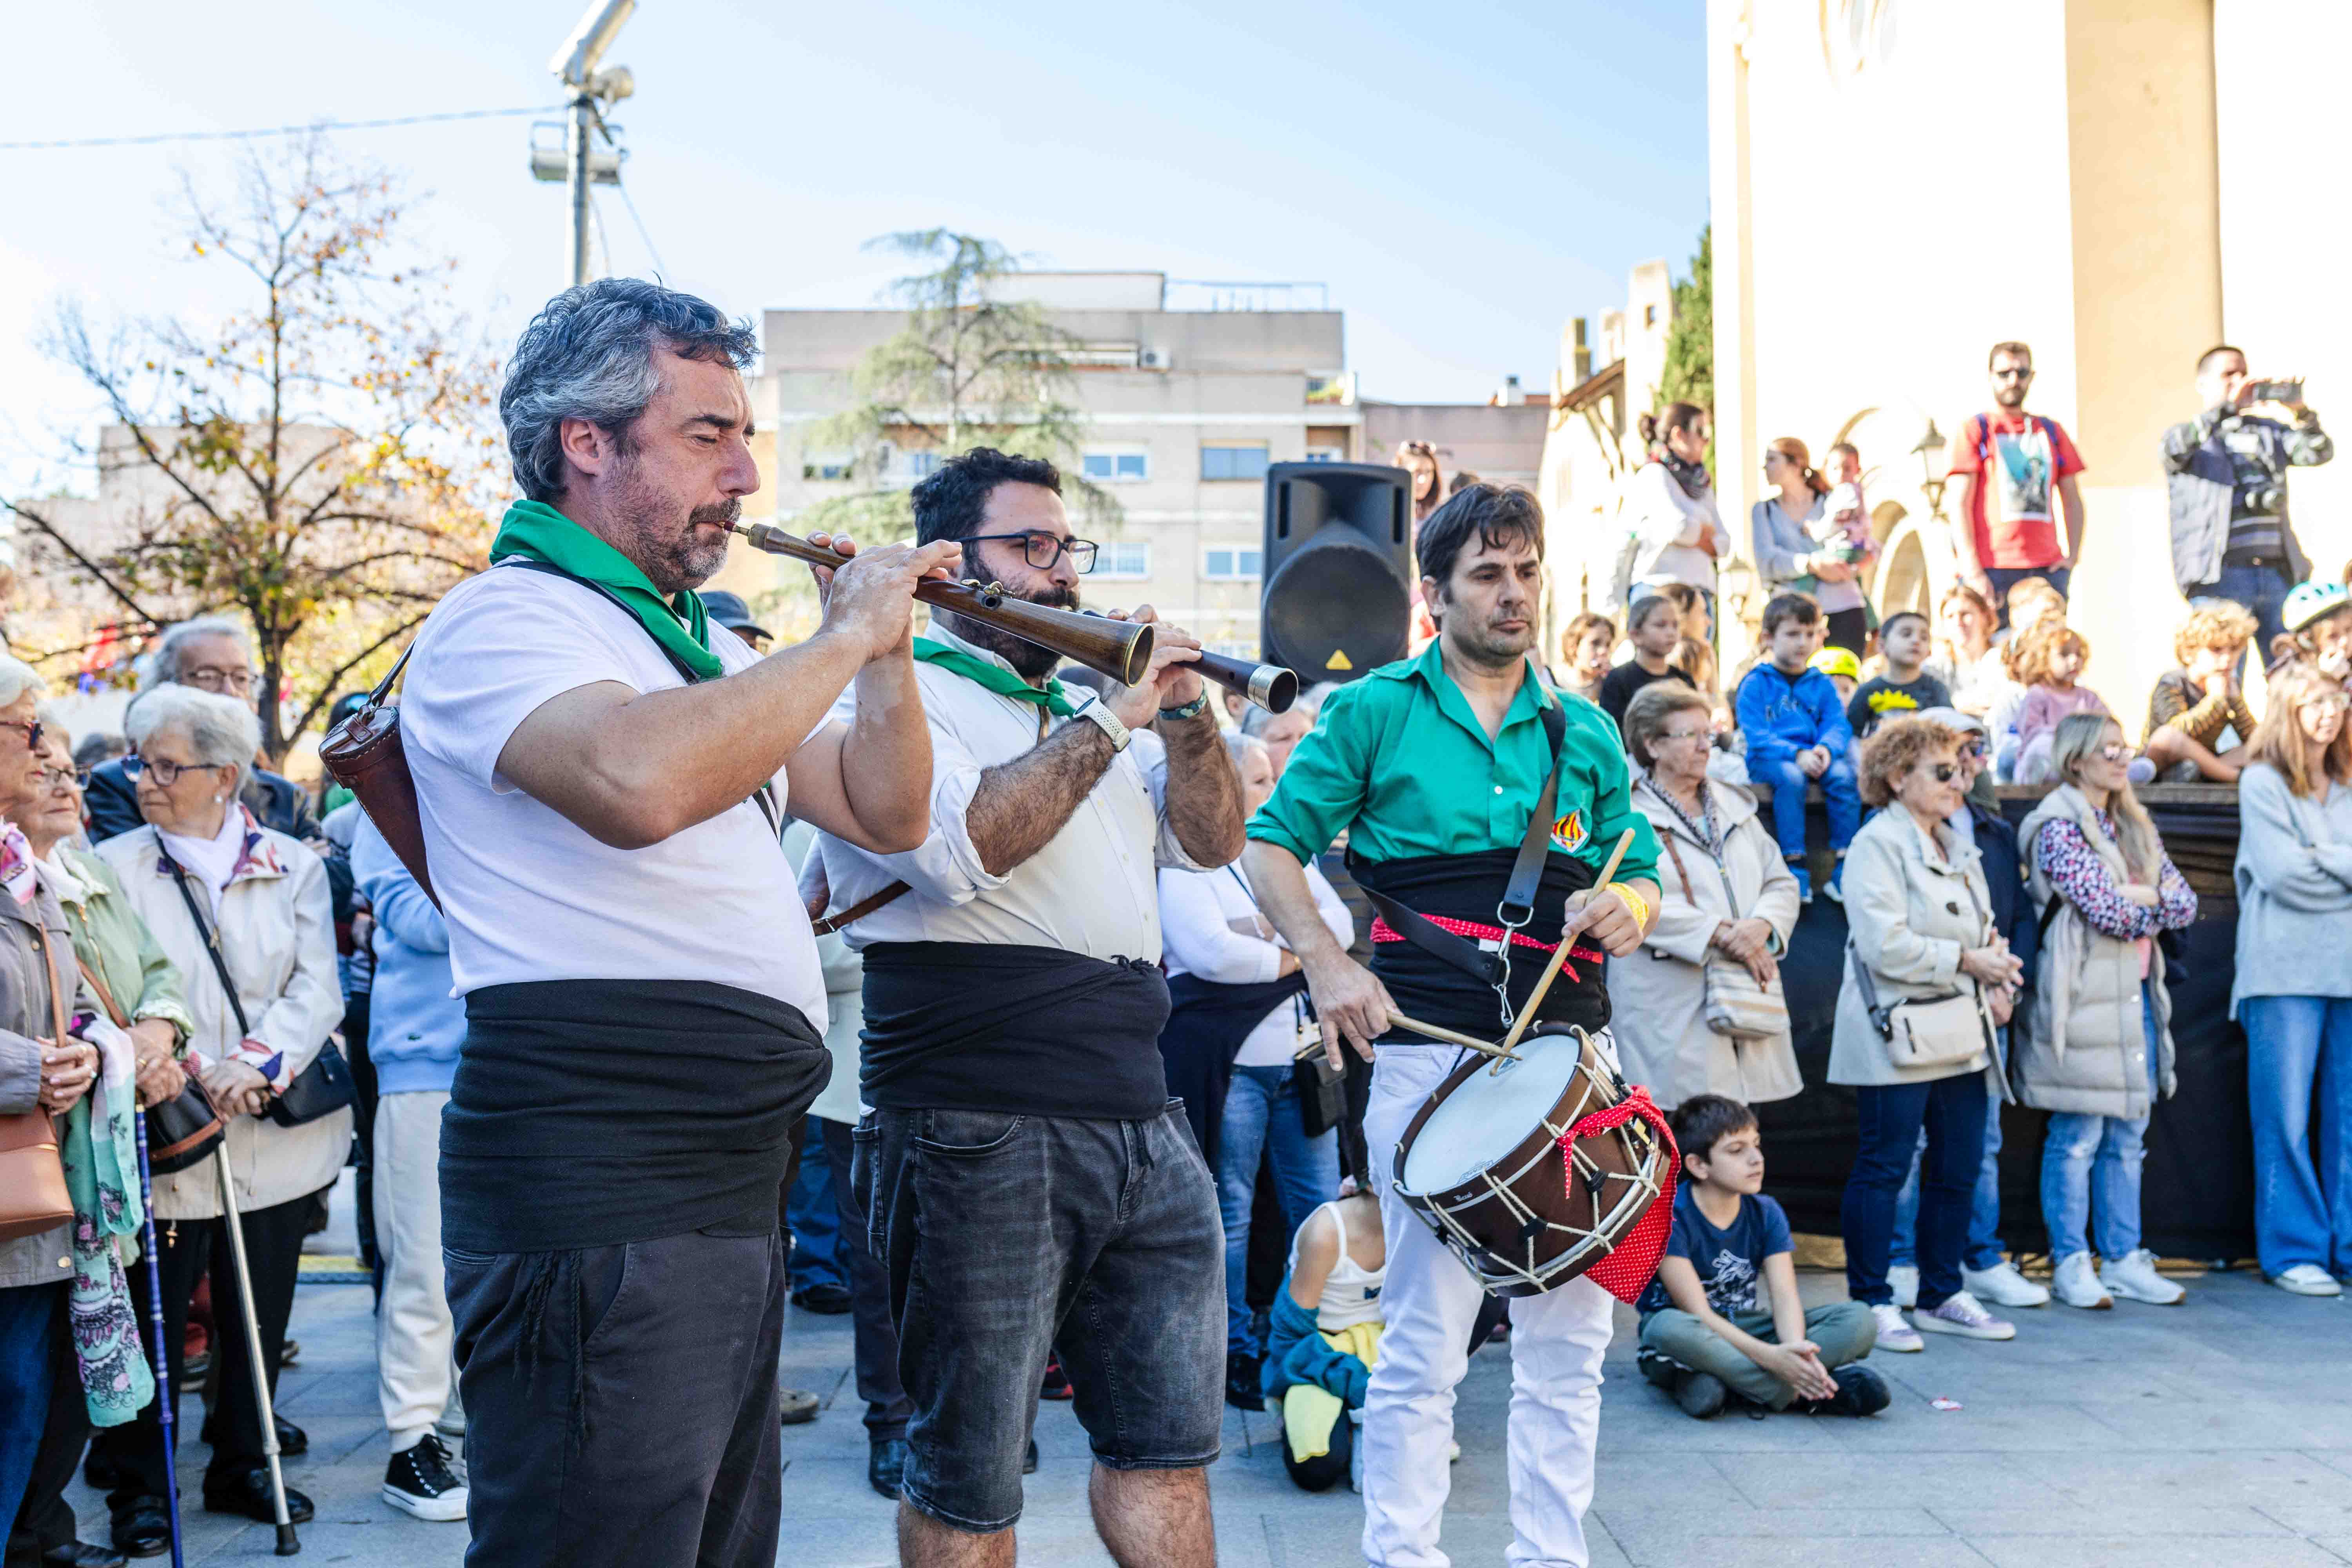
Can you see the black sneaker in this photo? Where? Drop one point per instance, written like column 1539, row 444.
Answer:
column 1700, row 1393
column 419, row 1482
column 1861, row 1392
column 827, row 1299
column 885, row 1466
column 1243, row 1391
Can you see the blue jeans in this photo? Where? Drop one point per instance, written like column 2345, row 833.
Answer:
column 28, row 1316
column 2261, row 589
column 1984, row 1249
column 811, row 1216
column 1891, row 1116
column 2004, row 578
column 2090, row 1169
column 1262, row 1116
column 2303, row 1171
column 1788, row 782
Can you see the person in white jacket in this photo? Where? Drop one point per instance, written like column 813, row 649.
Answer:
column 1727, row 897
column 203, row 857
column 1675, row 534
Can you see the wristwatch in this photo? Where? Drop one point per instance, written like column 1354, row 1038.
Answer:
column 1188, row 711
column 1099, row 711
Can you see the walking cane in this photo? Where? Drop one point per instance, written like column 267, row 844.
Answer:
column 287, row 1543
column 167, row 1396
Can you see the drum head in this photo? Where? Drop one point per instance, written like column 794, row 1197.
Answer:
column 1489, row 1113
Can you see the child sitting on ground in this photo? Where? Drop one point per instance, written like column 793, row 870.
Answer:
column 1906, row 687
column 2050, row 661
column 1723, row 1318
column 2198, row 721
column 1325, row 1337
column 1655, row 626
column 1795, row 724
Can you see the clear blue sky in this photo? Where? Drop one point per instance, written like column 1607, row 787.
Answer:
column 1464, row 177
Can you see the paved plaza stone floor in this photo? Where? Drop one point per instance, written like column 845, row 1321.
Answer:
column 2217, row 1432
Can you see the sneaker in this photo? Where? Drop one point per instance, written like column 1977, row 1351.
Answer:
column 2004, row 1286
column 1834, row 888
column 1700, row 1393
column 1861, row 1392
column 2133, row 1277
column 419, row 1482
column 2077, row 1284
column 1961, row 1314
column 1242, row 1389
column 1894, row 1332
column 1902, row 1279
column 2307, row 1279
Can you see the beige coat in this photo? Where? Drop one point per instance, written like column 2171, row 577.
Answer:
column 1658, row 996
column 2085, row 1047
column 1910, row 919
column 277, row 937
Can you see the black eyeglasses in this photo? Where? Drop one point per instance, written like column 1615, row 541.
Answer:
column 1042, row 550
column 1972, row 749
column 167, row 773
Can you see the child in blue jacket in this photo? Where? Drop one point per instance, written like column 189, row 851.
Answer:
column 1798, row 734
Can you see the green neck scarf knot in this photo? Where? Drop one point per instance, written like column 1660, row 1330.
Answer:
column 537, row 531
column 1054, row 698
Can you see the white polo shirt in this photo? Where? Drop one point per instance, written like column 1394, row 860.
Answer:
column 529, row 896
column 1092, row 889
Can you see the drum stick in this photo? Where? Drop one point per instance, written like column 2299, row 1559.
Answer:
column 1559, row 953
column 1450, row 1037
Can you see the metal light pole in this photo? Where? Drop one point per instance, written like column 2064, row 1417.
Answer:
column 575, row 65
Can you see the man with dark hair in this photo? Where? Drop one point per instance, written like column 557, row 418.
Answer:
column 2225, row 477
column 1437, row 767
column 599, row 774
column 2014, row 470
column 1031, row 1186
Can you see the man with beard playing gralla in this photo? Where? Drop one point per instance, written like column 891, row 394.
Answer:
column 1030, row 1181
column 1434, row 767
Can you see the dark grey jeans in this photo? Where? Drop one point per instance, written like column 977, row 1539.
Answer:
column 1007, row 1236
column 621, row 1402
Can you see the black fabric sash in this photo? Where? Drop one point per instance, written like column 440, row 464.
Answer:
column 1467, row 887
column 593, row 1113
column 1005, row 1027
column 1206, row 1026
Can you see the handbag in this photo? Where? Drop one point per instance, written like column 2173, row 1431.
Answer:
column 33, row 1196
column 1940, row 1031
column 1733, row 1003
column 323, row 1087
column 1320, row 1088
column 364, row 754
column 183, row 1130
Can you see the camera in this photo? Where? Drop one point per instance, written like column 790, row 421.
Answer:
column 2274, row 392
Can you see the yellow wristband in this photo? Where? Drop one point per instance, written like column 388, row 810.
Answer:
column 1633, row 900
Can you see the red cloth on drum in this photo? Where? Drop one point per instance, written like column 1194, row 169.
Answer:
column 1473, row 932
column 1626, row 1270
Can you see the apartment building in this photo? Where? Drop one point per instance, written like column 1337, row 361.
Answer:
column 1189, row 391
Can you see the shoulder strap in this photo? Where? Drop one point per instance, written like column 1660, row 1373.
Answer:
column 1675, row 855
column 860, row 910
column 765, row 796
column 1879, row 1018
column 106, row 997
column 1519, row 904
column 212, row 938
column 57, row 988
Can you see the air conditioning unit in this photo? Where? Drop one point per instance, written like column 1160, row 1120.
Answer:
column 1151, row 359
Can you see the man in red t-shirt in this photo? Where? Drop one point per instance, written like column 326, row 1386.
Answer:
column 2010, row 465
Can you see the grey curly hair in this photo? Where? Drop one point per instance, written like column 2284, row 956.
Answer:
column 589, row 354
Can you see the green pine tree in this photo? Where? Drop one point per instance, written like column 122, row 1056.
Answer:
column 1689, row 375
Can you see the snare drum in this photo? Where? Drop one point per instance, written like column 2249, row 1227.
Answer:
column 1482, row 1163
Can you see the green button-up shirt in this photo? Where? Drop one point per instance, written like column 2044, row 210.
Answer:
column 1399, row 762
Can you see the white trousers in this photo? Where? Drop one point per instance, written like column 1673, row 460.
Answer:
column 412, row 1325
column 1428, row 1305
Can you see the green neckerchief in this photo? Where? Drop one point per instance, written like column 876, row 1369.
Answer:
column 535, row 529
column 1054, row 699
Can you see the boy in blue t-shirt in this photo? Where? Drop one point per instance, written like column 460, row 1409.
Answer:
column 1723, row 1317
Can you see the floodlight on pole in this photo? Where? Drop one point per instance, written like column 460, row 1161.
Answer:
column 575, row 64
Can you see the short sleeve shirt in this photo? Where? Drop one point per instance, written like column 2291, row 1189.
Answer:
column 2016, row 460
column 527, row 894
column 1730, row 1261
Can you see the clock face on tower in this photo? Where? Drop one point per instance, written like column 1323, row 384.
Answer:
column 1856, row 34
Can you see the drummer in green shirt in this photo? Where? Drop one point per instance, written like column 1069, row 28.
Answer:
column 1434, row 767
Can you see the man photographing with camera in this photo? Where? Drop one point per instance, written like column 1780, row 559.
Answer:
column 2226, row 474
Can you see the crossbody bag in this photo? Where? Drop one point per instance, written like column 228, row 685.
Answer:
column 182, row 1130
column 1736, row 1004
column 1940, row 1031
column 319, row 1089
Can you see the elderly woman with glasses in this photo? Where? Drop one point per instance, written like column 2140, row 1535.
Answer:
column 1922, row 928
column 2096, row 1049
column 1727, row 898
column 227, row 897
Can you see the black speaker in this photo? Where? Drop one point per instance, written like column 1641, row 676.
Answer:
column 1339, row 561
